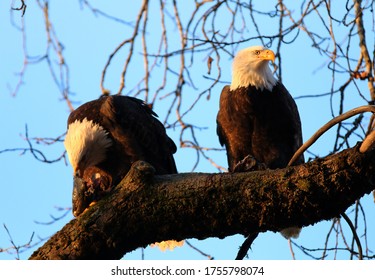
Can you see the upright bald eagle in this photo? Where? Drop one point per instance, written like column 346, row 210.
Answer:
column 105, row 137
column 258, row 118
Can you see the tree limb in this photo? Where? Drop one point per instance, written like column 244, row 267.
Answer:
column 145, row 208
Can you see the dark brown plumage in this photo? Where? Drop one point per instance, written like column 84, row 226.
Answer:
column 105, row 137
column 264, row 124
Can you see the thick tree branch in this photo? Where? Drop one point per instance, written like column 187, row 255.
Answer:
column 145, row 208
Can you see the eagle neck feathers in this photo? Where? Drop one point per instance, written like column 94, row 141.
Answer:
column 246, row 73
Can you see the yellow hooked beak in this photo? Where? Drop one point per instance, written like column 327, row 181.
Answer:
column 267, row 55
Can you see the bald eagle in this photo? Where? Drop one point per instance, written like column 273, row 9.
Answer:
column 258, row 118
column 105, row 137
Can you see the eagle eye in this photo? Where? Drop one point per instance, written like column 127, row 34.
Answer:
column 257, row 52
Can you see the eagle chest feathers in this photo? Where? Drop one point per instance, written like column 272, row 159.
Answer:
column 258, row 123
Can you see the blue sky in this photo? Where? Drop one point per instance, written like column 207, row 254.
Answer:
column 33, row 191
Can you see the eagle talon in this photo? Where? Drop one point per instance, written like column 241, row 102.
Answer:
column 92, row 203
column 249, row 163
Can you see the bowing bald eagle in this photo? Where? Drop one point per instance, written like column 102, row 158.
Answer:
column 105, row 137
column 258, row 118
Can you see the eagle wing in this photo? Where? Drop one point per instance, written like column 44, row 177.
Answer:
column 296, row 122
column 235, row 124
column 219, row 128
column 89, row 110
column 133, row 124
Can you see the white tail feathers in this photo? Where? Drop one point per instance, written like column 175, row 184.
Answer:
column 291, row 232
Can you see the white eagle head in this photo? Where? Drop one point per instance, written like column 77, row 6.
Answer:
column 86, row 144
column 250, row 68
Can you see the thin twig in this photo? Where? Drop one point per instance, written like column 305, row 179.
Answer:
column 199, row 251
column 242, row 252
column 21, row 8
column 327, row 126
column 359, row 246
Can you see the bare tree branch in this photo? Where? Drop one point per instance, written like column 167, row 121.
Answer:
column 38, row 154
column 15, row 249
column 21, row 8
column 328, row 125
column 346, row 218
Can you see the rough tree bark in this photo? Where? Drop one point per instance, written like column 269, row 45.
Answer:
column 145, row 208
